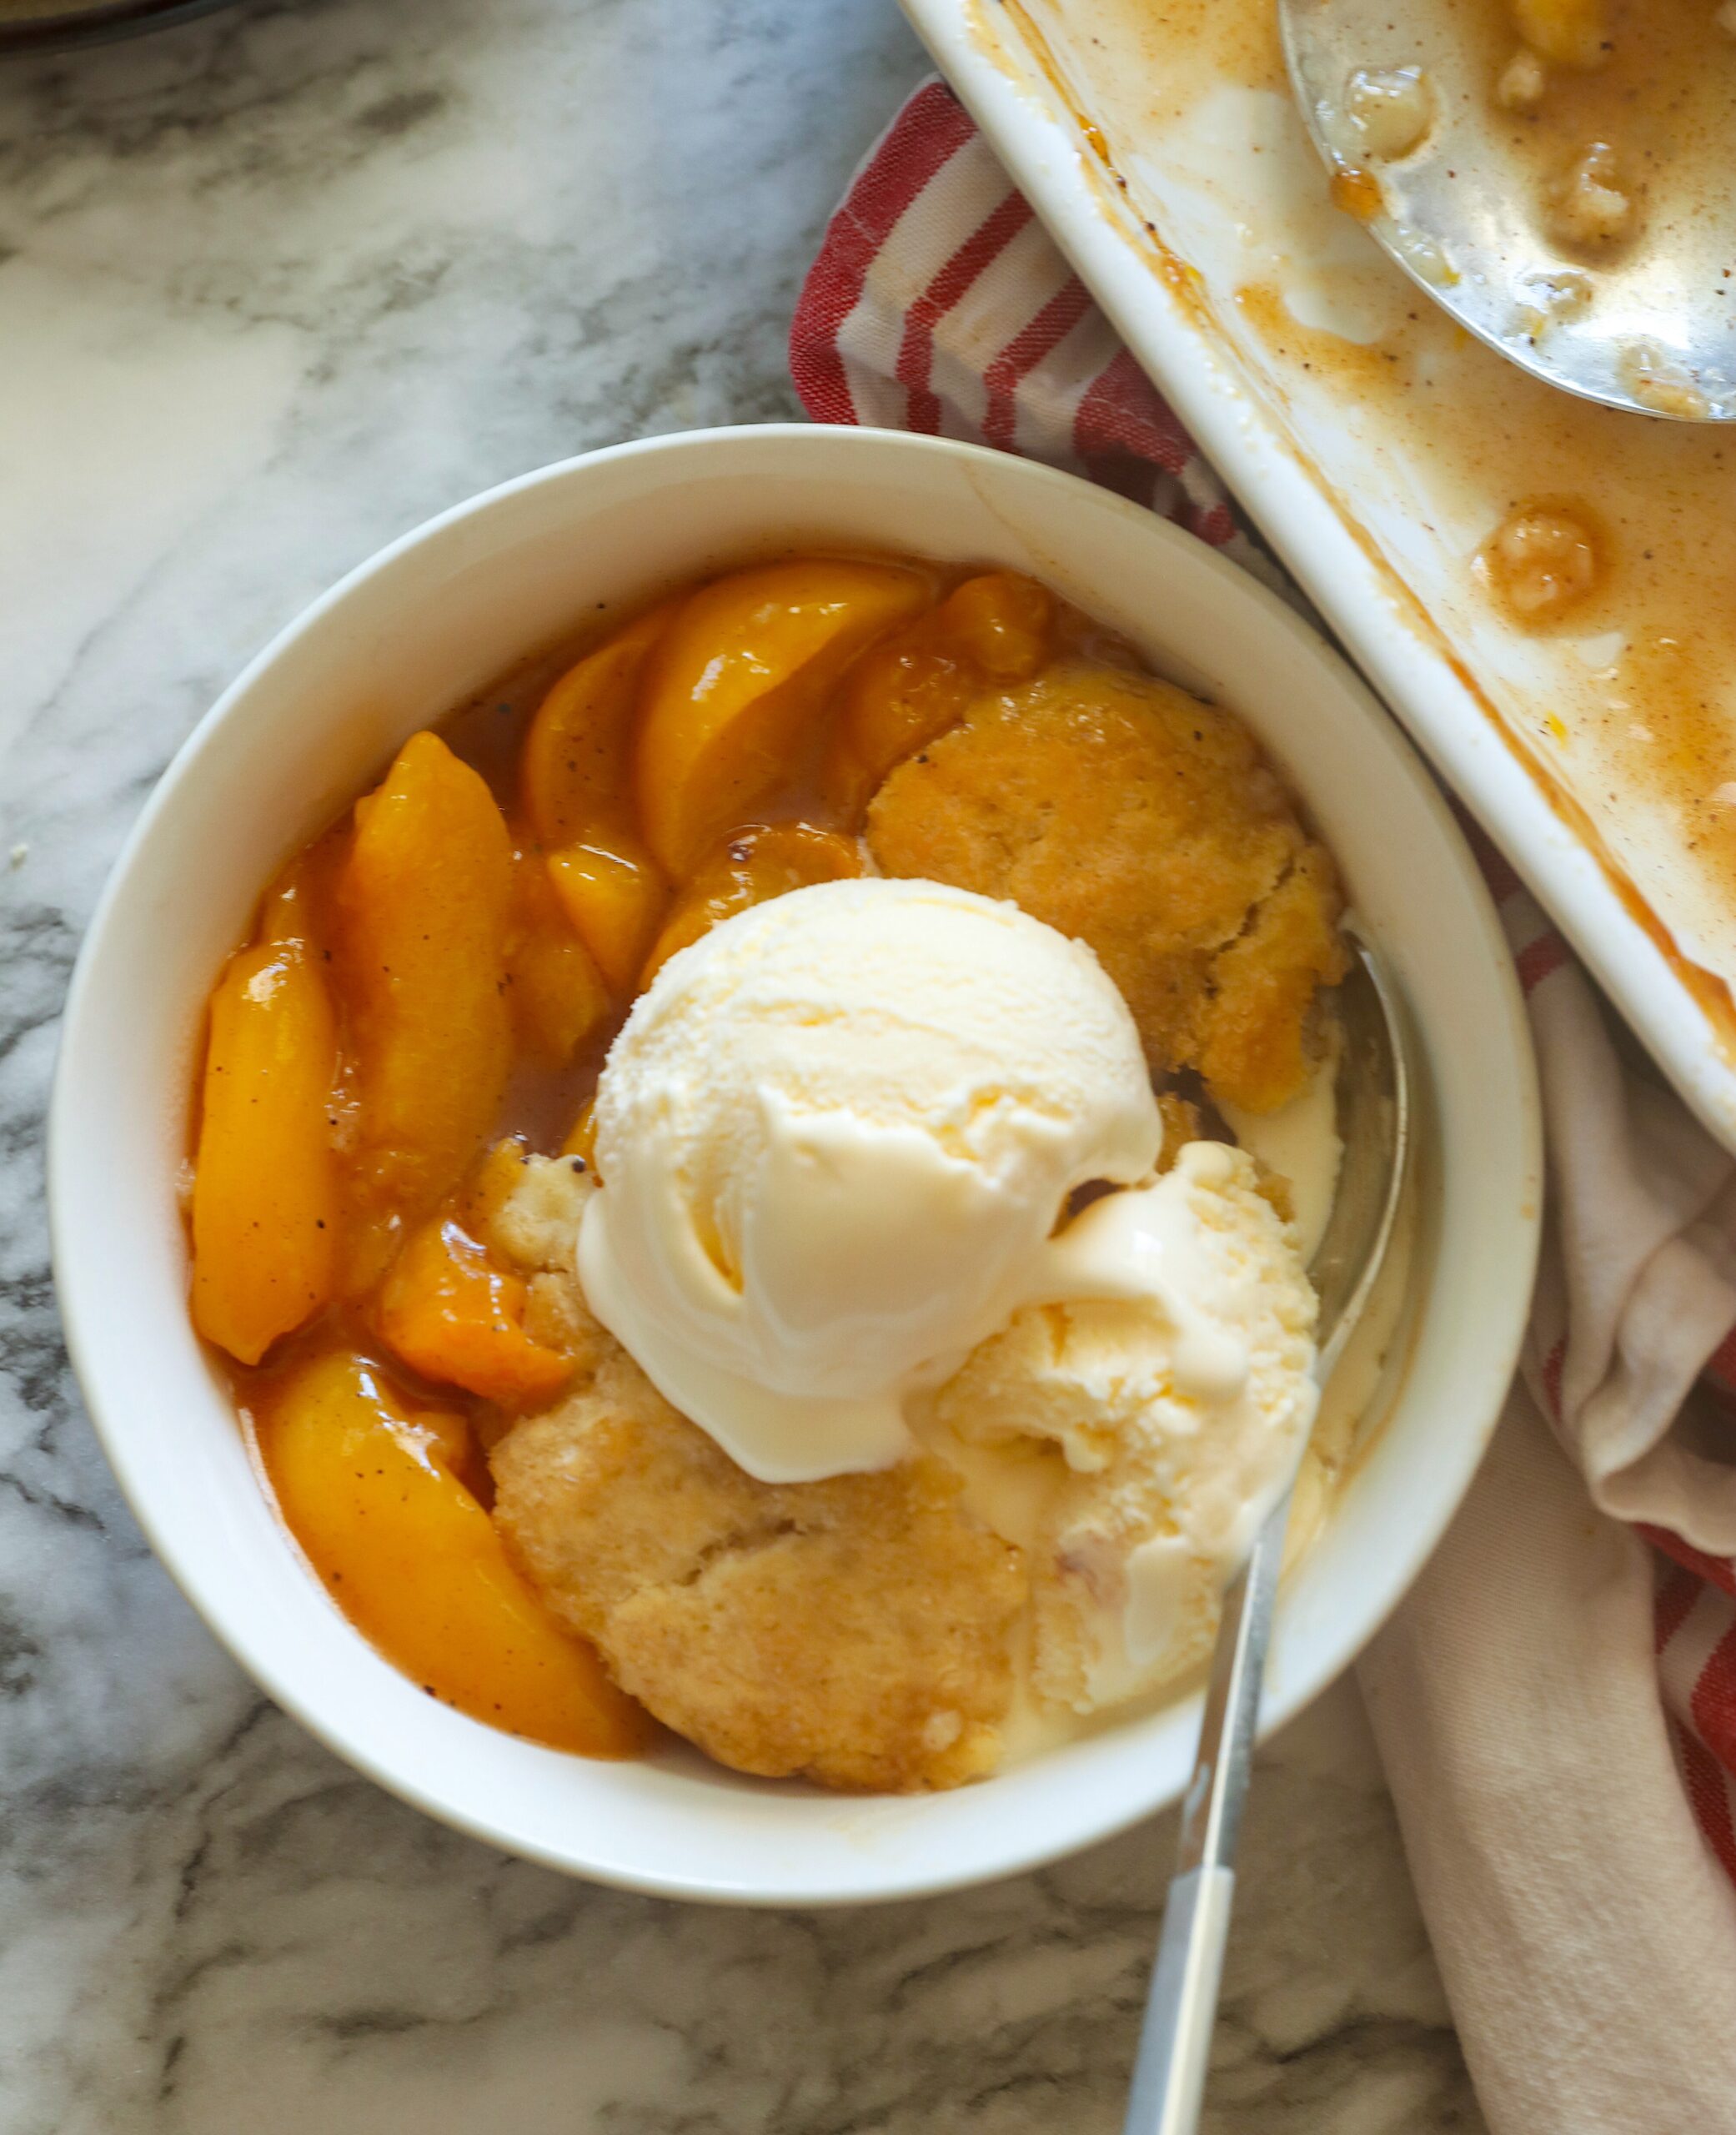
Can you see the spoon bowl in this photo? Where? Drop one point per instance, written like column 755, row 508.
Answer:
column 1372, row 1104
column 1466, row 194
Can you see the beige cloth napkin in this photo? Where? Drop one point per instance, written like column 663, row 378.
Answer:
column 1584, row 1923
column 1555, row 1702
column 1587, row 1939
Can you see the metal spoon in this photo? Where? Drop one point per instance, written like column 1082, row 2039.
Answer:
column 1643, row 318
column 1373, row 1104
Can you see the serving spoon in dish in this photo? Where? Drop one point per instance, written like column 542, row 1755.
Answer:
column 1373, row 1104
column 1566, row 198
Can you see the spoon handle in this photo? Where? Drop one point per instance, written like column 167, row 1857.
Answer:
column 1175, row 2046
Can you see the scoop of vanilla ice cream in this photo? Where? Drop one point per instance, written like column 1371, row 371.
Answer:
column 834, row 1138
column 1159, row 1466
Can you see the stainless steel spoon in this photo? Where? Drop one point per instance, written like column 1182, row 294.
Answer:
column 1373, row 1104
column 1643, row 318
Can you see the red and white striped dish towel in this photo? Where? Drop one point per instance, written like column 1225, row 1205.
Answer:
column 1556, row 1701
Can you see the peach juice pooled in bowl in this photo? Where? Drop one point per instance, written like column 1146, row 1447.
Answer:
column 715, row 1187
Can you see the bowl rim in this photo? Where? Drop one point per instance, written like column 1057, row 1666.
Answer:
column 1039, row 1845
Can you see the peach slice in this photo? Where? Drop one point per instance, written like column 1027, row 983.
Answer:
column 1001, row 621
column 751, row 866
column 454, row 1446
column 733, row 692
column 557, row 995
column 367, row 1488
column 907, row 691
column 266, row 1195
column 297, row 907
column 614, row 897
column 422, row 908
column 575, row 773
column 455, row 1316
column 900, row 698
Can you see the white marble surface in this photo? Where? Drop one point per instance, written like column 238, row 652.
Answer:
column 271, row 289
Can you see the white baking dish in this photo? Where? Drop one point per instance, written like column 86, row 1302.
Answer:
column 1173, row 205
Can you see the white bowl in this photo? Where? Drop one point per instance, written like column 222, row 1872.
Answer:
column 314, row 720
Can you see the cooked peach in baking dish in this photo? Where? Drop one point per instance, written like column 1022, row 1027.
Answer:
column 399, row 1060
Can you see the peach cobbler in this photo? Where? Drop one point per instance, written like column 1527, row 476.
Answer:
column 715, row 1183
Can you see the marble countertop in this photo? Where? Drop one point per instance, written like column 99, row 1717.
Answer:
column 273, row 287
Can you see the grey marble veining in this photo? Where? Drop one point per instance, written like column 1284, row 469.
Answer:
column 273, row 288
